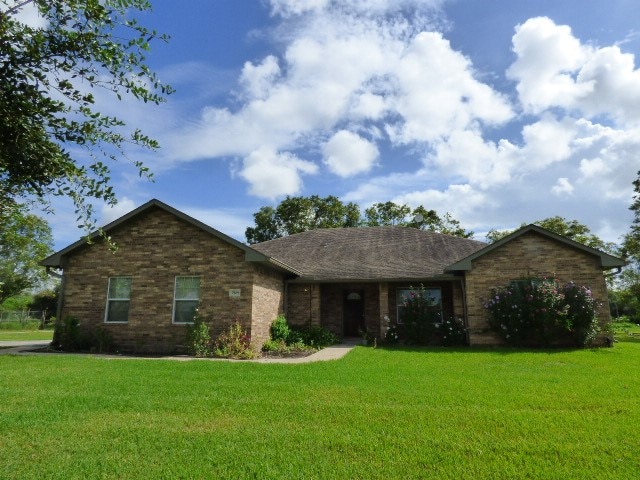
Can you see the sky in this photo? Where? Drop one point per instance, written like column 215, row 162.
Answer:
column 498, row 112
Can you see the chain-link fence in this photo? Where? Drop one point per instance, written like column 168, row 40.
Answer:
column 23, row 318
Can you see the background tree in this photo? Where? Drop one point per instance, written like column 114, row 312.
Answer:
column 53, row 140
column 568, row 228
column 299, row 214
column 625, row 298
column 25, row 240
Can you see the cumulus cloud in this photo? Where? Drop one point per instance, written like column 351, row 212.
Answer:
column 347, row 80
column 272, row 174
column 555, row 69
column 347, row 153
column 344, row 71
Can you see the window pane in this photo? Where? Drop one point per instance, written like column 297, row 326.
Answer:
column 120, row 287
column 185, row 311
column 118, row 311
column 187, row 288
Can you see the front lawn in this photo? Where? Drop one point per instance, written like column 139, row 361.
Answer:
column 423, row 413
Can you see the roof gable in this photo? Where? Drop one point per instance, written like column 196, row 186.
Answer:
column 251, row 255
column 606, row 260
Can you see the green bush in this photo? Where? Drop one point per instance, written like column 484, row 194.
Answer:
column 199, row 338
column 234, row 343
column 280, row 329
column 541, row 313
column 392, row 337
column 66, row 334
column 288, row 339
column 312, row 336
column 452, row 332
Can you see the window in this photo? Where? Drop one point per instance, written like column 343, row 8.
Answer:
column 118, row 300
column 432, row 295
column 186, row 299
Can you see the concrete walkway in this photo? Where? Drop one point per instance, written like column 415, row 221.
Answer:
column 333, row 352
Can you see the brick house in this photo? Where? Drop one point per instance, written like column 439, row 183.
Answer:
column 347, row 280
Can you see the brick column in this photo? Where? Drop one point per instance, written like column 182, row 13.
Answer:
column 383, row 299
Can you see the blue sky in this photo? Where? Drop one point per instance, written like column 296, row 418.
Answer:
column 498, row 112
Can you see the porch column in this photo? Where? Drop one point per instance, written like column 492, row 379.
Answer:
column 383, row 308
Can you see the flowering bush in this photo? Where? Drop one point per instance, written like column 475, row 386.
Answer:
column 392, row 336
column 540, row 312
column 234, row 343
column 420, row 316
column 423, row 322
column 453, row 331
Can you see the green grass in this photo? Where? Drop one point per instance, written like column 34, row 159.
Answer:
column 424, row 413
column 13, row 335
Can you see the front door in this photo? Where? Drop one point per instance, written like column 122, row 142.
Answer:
column 353, row 313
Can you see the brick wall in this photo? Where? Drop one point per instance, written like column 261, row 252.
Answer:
column 303, row 304
column 530, row 255
column 267, row 296
column 153, row 248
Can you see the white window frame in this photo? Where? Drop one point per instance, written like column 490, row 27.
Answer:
column 176, row 299
column 117, row 299
column 426, row 289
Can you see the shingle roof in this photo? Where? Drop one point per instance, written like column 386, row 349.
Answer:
column 369, row 253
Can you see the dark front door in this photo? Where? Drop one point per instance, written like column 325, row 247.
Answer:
column 353, row 313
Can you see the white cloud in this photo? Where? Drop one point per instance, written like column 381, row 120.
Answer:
column 111, row 213
column 346, row 154
column 343, row 69
column 554, row 69
column 272, row 174
column 458, row 200
column 562, row 187
column 438, row 94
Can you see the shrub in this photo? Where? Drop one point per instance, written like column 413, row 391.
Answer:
column 66, row 334
column 541, row 313
column 312, row 336
column 199, row 337
column 419, row 317
column 288, row 339
column 453, row 332
column 234, row 343
column 280, row 329
column 392, row 336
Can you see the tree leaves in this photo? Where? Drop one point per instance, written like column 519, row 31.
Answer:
column 47, row 106
column 300, row 214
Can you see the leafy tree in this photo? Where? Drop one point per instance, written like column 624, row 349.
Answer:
column 53, row 140
column 390, row 213
column 299, row 214
column 387, row 213
column 25, row 239
column 631, row 244
column 569, row 228
column 627, row 294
